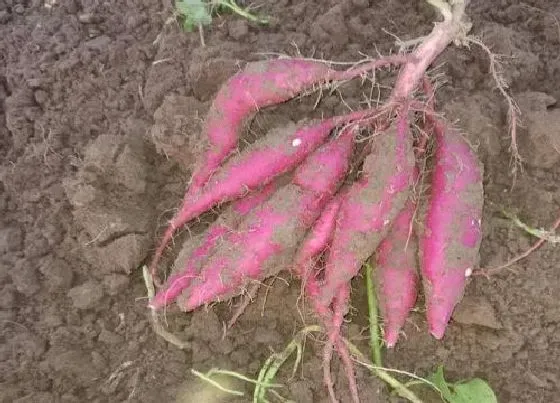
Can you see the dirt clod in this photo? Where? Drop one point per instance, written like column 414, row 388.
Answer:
column 26, row 277
column 552, row 315
column 540, row 142
column 479, row 122
column 11, row 239
column 7, row 297
column 176, row 132
column 109, row 337
column 123, row 254
column 331, row 29
column 86, row 295
column 57, row 274
column 206, row 326
column 266, row 336
column 301, row 391
column 77, row 364
column 115, row 283
column 207, row 76
column 476, row 311
column 238, row 29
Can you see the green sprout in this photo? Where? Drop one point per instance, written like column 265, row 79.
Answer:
column 265, row 380
column 231, row 5
column 270, row 368
column 198, row 13
column 194, row 13
column 473, row 390
column 548, row 236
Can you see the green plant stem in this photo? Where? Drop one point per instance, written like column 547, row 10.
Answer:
column 275, row 361
column 374, row 339
column 217, row 385
column 375, row 343
column 543, row 234
column 382, row 373
column 232, row 5
column 242, row 377
column 207, row 377
column 157, row 326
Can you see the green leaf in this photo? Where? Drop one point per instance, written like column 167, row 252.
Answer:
column 438, row 379
column 194, row 13
column 473, row 391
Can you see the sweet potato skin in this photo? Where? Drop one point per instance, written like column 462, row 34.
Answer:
column 276, row 154
column 267, row 239
column 450, row 242
column 317, row 239
column 396, row 273
column 368, row 208
column 191, row 264
column 260, row 84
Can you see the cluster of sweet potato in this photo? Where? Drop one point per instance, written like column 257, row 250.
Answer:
column 324, row 224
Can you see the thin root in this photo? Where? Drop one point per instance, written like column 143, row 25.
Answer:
column 275, row 361
column 536, row 245
column 333, row 324
column 247, row 299
column 503, row 88
column 157, row 326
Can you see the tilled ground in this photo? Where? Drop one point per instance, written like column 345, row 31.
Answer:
column 101, row 104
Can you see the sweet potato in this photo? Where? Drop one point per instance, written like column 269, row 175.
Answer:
column 317, row 240
column 277, row 153
column 266, row 240
column 225, row 223
column 396, row 273
column 259, row 85
column 450, row 241
column 368, row 208
column 315, row 243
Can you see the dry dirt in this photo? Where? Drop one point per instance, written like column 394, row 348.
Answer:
column 100, row 109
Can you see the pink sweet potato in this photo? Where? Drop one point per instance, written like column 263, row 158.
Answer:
column 277, row 153
column 396, row 273
column 317, row 240
column 450, row 242
column 315, row 243
column 368, row 208
column 226, row 222
column 259, row 85
column 266, row 240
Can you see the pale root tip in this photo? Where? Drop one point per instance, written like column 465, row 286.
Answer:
column 438, row 331
column 154, row 304
column 391, row 339
column 190, row 305
column 438, row 317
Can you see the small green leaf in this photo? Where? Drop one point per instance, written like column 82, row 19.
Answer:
column 194, row 13
column 473, row 391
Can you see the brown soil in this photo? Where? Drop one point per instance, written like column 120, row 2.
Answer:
column 96, row 99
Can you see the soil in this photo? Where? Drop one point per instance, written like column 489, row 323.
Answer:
column 100, row 109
